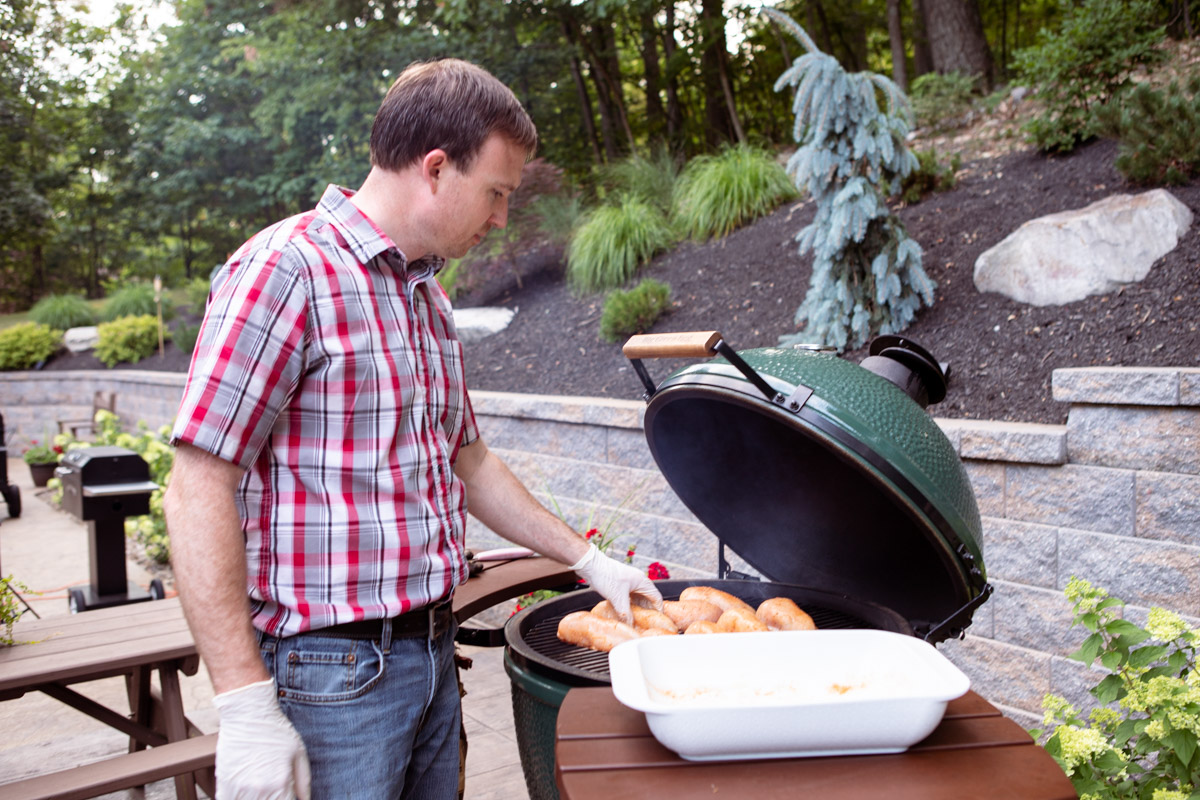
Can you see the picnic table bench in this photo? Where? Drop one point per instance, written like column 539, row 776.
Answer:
column 137, row 640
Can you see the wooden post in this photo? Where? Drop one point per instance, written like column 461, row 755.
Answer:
column 158, row 304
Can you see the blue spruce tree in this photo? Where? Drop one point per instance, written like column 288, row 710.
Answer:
column 867, row 277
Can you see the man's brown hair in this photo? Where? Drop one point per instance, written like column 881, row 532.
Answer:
column 448, row 104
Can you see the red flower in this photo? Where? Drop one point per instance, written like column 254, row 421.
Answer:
column 630, row 553
column 587, row 535
column 657, row 572
column 57, row 448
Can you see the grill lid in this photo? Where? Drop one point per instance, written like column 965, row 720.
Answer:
column 823, row 473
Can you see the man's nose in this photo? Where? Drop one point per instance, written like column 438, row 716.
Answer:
column 499, row 219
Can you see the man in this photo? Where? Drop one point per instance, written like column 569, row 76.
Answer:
column 328, row 454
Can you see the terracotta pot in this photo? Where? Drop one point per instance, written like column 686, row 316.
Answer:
column 42, row 473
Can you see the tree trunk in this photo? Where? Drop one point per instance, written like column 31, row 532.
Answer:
column 600, row 53
column 719, row 126
column 585, row 101
column 956, row 38
column 656, row 118
column 674, row 107
column 922, row 56
column 896, row 37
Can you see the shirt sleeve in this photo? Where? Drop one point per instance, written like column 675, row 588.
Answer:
column 249, row 357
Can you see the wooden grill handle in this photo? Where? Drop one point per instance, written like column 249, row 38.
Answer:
column 692, row 344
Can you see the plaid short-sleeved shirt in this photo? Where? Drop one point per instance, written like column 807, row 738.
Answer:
column 330, row 369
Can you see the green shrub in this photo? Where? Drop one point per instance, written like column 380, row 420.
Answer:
column 128, row 339
column 629, row 312
column 1157, row 131
column 614, row 240
column 930, row 176
column 63, row 311
column 27, row 344
column 717, row 194
column 185, row 337
column 1084, row 64
column 939, row 100
column 450, row 275
column 134, row 300
column 195, row 294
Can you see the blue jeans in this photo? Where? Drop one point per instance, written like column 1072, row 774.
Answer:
column 380, row 718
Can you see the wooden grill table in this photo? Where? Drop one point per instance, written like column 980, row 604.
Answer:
column 605, row 751
column 138, row 639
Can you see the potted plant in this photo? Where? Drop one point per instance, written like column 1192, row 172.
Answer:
column 42, row 459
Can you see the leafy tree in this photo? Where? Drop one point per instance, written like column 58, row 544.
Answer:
column 867, row 275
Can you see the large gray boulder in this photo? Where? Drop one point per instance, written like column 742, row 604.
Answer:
column 79, row 340
column 1067, row 256
column 474, row 324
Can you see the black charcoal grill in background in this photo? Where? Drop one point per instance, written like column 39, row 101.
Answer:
column 827, row 477
column 11, row 494
column 103, row 486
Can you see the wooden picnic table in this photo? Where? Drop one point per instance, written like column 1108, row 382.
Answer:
column 605, row 750
column 138, row 639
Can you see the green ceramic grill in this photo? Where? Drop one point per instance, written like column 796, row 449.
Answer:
column 820, row 472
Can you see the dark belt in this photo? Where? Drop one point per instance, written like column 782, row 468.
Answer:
column 411, row 623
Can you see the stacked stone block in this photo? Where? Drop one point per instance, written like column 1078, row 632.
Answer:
column 1113, row 497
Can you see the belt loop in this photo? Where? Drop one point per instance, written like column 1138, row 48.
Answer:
column 385, row 643
column 431, row 618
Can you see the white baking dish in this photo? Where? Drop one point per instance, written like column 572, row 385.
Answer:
column 786, row 693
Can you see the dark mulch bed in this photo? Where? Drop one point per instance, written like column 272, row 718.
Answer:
column 1001, row 352
column 748, row 286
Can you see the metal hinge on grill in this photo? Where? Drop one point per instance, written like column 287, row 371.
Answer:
column 954, row 626
column 724, row 571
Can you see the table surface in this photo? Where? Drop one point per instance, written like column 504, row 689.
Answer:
column 606, row 751
column 96, row 644
column 111, row 641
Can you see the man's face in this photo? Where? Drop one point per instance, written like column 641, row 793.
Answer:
column 471, row 203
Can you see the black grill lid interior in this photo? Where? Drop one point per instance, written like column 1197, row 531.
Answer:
column 798, row 506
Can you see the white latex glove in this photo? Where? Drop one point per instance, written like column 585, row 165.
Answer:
column 616, row 581
column 259, row 754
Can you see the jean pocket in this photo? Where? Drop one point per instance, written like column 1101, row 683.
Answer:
column 316, row 669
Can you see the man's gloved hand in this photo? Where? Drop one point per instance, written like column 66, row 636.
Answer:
column 616, row 581
column 259, row 754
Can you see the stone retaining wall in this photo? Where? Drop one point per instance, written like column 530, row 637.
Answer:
column 1113, row 496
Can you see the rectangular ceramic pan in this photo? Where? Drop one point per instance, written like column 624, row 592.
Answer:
column 786, row 694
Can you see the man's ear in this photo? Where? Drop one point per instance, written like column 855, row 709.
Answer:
column 433, row 167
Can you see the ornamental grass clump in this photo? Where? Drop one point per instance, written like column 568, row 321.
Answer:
column 1142, row 741
column 63, row 311
column 718, row 194
column 613, row 242
column 867, row 277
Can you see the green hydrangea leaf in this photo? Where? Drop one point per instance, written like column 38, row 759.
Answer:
column 1089, row 650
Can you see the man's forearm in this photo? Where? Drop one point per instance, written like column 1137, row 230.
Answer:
column 209, row 560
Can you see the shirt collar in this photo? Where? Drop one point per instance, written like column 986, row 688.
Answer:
column 366, row 239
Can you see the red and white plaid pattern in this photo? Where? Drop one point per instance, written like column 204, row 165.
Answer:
column 331, row 370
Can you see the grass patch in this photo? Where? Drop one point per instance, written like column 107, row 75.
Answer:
column 718, row 194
